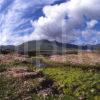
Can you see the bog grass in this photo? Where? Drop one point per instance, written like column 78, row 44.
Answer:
column 73, row 82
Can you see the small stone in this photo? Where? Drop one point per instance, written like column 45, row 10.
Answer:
column 81, row 98
column 92, row 90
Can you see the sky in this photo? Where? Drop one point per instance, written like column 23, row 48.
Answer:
column 67, row 21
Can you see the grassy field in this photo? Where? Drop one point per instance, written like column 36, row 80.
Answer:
column 39, row 78
column 83, row 57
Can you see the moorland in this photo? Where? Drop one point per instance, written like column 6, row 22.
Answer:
column 54, row 77
column 49, row 70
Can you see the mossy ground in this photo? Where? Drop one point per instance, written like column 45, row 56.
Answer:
column 72, row 82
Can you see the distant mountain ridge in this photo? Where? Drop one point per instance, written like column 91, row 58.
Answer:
column 45, row 45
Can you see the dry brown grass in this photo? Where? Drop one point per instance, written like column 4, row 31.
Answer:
column 11, row 57
column 80, row 58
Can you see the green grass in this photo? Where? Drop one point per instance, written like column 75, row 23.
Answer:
column 74, row 82
column 3, row 67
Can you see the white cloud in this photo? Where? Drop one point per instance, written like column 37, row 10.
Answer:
column 59, row 23
column 12, row 17
column 55, row 26
column 91, row 23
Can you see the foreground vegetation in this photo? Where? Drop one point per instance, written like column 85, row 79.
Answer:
column 57, row 81
column 75, row 81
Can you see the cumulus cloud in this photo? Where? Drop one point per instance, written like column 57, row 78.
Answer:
column 60, row 22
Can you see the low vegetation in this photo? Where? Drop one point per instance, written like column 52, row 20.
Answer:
column 75, row 82
column 36, row 78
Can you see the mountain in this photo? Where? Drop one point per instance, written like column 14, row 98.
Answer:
column 7, row 49
column 45, row 46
